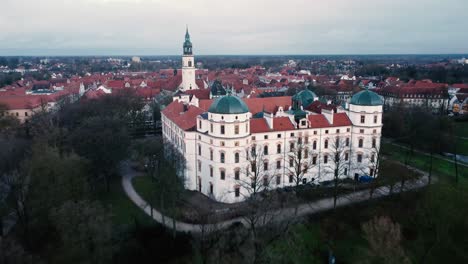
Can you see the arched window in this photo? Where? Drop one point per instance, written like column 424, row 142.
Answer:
column 347, row 142
column 265, row 150
column 361, row 143
column 236, row 157
column 314, row 145
column 326, row 143
column 190, row 63
column 278, row 148
column 374, row 143
column 221, row 157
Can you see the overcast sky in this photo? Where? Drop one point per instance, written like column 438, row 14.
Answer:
column 157, row 27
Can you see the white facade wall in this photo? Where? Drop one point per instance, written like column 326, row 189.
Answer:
column 203, row 148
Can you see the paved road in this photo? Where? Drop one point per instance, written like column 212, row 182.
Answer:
column 278, row 215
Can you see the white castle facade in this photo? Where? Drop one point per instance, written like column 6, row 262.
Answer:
column 235, row 147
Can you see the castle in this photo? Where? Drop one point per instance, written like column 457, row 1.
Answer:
column 234, row 148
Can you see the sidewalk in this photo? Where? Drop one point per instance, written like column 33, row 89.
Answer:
column 279, row 215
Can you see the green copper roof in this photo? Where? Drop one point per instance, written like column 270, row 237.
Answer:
column 228, row 104
column 306, row 97
column 366, row 97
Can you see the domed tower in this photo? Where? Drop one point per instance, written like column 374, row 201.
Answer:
column 229, row 118
column 188, row 66
column 365, row 112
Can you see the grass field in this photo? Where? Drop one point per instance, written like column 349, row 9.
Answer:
column 442, row 168
column 124, row 211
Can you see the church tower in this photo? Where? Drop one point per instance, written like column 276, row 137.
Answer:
column 188, row 66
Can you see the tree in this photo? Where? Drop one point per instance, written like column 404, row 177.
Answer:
column 336, row 162
column 384, row 239
column 301, row 158
column 7, row 122
column 85, row 230
column 253, row 185
column 104, row 141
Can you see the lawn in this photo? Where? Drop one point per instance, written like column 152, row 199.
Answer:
column 441, row 167
column 124, row 211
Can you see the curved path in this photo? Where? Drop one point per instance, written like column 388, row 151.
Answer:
column 276, row 215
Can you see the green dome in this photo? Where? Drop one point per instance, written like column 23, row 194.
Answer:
column 228, row 105
column 306, row 97
column 366, row 97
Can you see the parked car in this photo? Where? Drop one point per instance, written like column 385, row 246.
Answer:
column 365, row 179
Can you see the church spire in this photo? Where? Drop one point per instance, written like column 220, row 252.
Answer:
column 187, row 43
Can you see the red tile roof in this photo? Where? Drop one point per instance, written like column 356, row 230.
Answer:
column 282, row 124
column 339, row 119
column 259, row 125
column 256, row 105
column 186, row 120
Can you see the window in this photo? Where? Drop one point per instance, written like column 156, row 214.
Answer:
column 306, row 140
column 304, row 180
column 305, row 168
column 199, row 166
column 223, row 175
column 211, row 128
column 236, row 175
column 347, row 142
column 326, row 143
column 265, row 150
column 303, row 123
column 222, row 143
column 290, row 178
column 17, row 114
column 347, row 130
column 254, row 166
column 237, row 191
column 299, row 141
column 221, row 157
column 236, row 157
column 291, row 146
column 25, row 113
column 278, row 148
column 292, row 134
column 337, row 142
column 278, row 179
column 211, row 154
column 236, row 143
column 372, row 158
column 236, row 129
column 359, row 158
column 361, row 143
column 211, row 188
column 371, row 173
column 265, row 165
column 361, row 131
column 374, row 143
column 211, row 171
column 375, row 119
column 306, row 153
column 337, row 131
column 291, row 162
column 326, row 131
column 279, row 136
column 265, row 137
column 190, row 63
column 346, row 156
column 199, row 149
column 374, row 131
column 222, row 129
column 265, row 181
column 325, row 159
column 315, row 132
column 278, row 164
column 253, row 151
column 253, row 137
column 199, row 124
column 346, row 171
column 363, row 119
column 314, row 145
column 314, row 160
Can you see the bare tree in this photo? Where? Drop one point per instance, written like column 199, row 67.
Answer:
column 336, row 162
column 254, row 185
column 301, row 159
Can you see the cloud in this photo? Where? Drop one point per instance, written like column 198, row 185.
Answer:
column 85, row 27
